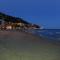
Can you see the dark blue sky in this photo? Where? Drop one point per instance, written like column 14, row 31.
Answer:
column 41, row 12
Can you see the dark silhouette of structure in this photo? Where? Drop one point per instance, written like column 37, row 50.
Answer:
column 11, row 22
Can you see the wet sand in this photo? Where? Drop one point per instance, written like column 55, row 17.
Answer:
column 15, row 45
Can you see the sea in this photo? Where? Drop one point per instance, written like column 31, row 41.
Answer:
column 51, row 34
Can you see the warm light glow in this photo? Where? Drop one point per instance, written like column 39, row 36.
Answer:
column 9, row 27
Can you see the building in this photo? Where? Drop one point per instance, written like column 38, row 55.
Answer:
column 9, row 22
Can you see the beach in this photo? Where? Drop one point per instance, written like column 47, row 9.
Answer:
column 17, row 45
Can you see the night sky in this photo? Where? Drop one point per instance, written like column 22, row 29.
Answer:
column 42, row 12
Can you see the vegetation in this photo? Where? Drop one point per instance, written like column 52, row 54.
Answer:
column 14, row 21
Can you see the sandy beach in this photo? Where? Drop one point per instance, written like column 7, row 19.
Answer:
column 15, row 45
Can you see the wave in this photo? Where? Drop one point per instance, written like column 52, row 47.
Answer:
column 48, row 33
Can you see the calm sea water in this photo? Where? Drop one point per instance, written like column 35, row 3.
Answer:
column 48, row 33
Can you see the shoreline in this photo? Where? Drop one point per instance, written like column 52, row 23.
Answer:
column 26, row 46
column 40, row 38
